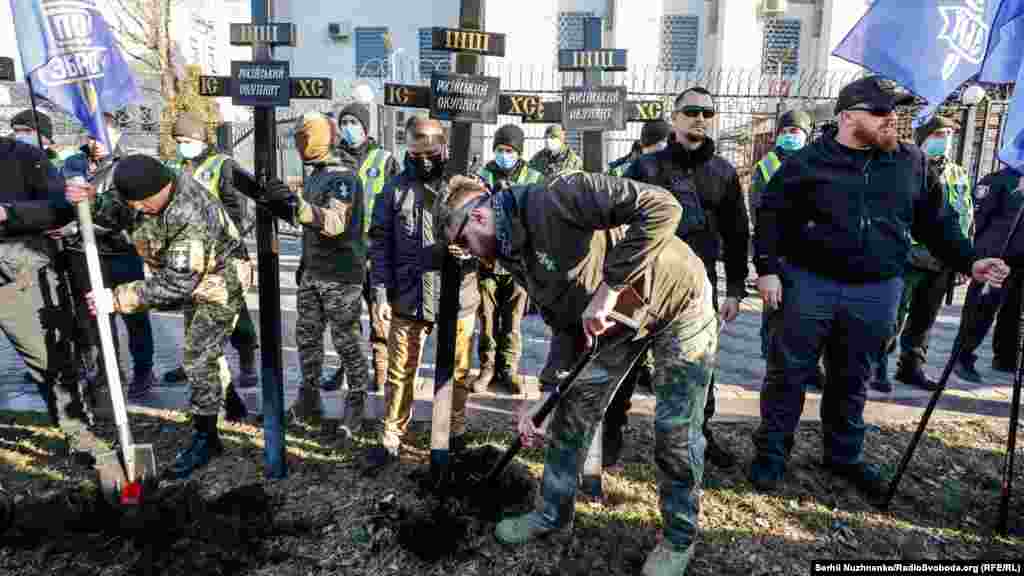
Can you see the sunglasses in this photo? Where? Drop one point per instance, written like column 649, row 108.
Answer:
column 880, row 111
column 459, row 239
column 694, row 111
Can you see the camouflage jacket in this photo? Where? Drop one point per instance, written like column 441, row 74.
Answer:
column 551, row 165
column 190, row 246
column 331, row 212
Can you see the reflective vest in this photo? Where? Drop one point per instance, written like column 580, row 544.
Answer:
column 207, row 173
column 373, row 178
column 526, row 175
column 957, row 185
column 769, row 165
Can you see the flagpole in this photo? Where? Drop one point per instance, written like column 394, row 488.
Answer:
column 35, row 115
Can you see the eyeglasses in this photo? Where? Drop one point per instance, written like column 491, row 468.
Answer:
column 881, row 111
column 694, row 111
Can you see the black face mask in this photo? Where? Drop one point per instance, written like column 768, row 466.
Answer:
column 429, row 167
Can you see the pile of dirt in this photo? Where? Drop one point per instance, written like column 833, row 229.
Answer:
column 449, row 519
column 175, row 531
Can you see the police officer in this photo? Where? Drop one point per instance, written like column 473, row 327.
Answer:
column 374, row 166
column 926, row 279
column 653, row 138
column 714, row 213
column 557, row 156
column 1003, row 198
column 215, row 171
column 27, row 200
column 198, row 264
column 502, row 300
column 334, row 269
column 794, row 130
column 119, row 261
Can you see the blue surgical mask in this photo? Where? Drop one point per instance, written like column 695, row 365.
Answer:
column 353, row 134
column 791, row 142
column 936, row 146
column 191, row 149
column 29, row 139
column 506, row 160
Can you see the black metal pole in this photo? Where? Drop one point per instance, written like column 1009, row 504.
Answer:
column 268, row 250
column 1011, row 440
column 471, row 16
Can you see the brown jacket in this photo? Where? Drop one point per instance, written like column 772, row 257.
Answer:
column 563, row 238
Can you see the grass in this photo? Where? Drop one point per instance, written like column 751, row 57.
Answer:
column 946, row 507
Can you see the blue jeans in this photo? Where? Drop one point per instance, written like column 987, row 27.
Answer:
column 855, row 320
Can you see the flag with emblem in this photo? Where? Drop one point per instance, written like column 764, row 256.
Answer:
column 954, row 41
column 70, row 58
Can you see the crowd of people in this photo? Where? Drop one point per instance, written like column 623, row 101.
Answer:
column 857, row 237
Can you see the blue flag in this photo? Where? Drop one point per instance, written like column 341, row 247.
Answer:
column 930, row 47
column 71, row 59
column 1004, row 62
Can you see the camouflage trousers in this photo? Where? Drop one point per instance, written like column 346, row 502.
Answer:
column 405, row 347
column 338, row 304
column 209, row 321
column 502, row 305
column 685, row 354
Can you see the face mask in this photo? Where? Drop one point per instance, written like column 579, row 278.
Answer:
column 936, row 146
column 554, row 145
column 353, row 134
column 29, row 139
column 428, row 168
column 506, row 160
column 191, row 149
column 791, row 142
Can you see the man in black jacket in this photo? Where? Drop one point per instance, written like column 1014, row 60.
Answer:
column 1004, row 198
column 835, row 223
column 707, row 187
column 31, row 189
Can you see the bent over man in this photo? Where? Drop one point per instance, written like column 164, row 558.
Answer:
column 576, row 244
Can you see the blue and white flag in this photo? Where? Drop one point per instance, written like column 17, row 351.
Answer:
column 71, row 59
column 930, row 47
column 1004, row 62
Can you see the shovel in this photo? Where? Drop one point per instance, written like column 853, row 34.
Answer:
column 121, row 475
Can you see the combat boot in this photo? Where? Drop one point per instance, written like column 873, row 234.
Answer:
column 483, row 379
column 176, row 376
column 234, row 409
column 665, row 560
column 355, row 407
column 247, row 377
column 307, row 406
column 910, row 370
column 520, row 529
column 205, row 446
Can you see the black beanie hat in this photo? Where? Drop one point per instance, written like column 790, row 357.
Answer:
column 26, row 118
column 360, row 111
column 797, row 118
column 654, row 132
column 509, row 135
column 138, row 177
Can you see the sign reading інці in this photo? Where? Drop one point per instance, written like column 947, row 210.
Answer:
column 261, row 84
column 464, row 98
column 594, row 108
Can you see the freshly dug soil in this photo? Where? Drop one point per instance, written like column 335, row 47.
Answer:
column 448, row 520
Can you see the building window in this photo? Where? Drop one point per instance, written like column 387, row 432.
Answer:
column 372, row 53
column 679, row 42
column 781, row 42
column 432, row 60
column 570, row 37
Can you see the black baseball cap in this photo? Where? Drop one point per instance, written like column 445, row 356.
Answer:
column 873, row 92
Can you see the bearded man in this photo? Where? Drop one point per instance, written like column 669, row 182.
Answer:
column 832, row 237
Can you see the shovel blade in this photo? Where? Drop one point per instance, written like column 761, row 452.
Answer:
column 141, row 465
column 111, row 476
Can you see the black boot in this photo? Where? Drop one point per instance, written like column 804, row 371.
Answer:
column 205, row 446
column 911, row 371
column 715, row 454
column 234, row 406
column 964, row 369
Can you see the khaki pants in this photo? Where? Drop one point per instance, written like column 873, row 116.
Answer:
column 405, row 350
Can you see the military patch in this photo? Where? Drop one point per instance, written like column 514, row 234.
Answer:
column 342, row 190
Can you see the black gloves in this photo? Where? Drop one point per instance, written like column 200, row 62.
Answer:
column 277, row 191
